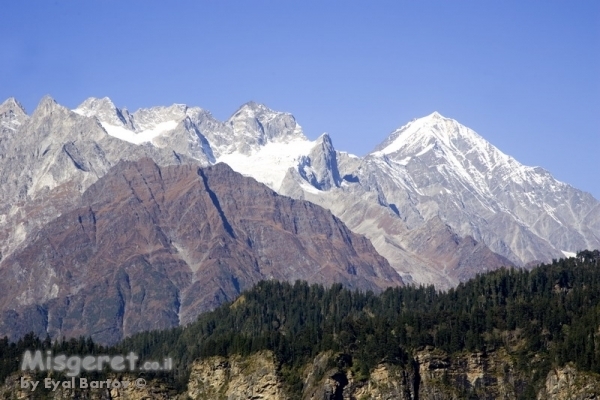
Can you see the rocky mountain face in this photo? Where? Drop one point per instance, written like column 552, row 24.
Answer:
column 49, row 158
column 12, row 116
column 435, row 182
column 149, row 247
column 435, row 377
column 449, row 171
column 435, row 199
column 432, row 253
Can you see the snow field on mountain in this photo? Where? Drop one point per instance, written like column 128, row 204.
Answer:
column 271, row 162
column 139, row 137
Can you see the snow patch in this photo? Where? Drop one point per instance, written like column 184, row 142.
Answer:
column 270, row 163
column 425, row 150
column 140, row 137
column 308, row 188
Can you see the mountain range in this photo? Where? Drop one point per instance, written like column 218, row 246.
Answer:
column 438, row 203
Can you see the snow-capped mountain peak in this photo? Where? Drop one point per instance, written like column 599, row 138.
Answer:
column 456, row 153
column 473, row 185
column 257, row 124
column 433, row 127
column 105, row 110
column 150, row 118
column 446, row 139
column 251, row 108
column 142, row 126
column 249, row 129
column 93, row 106
column 435, row 115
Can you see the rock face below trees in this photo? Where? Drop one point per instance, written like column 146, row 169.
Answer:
column 436, row 377
column 151, row 247
column 252, row 377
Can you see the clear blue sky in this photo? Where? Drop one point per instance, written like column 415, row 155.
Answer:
column 525, row 75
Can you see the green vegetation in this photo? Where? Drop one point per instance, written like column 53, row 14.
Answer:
column 550, row 314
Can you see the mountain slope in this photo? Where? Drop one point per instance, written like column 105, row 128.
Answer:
column 151, row 247
column 521, row 212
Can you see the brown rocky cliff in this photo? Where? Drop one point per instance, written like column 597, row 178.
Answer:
column 460, row 258
column 151, row 247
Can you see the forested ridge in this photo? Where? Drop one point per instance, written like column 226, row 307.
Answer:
column 545, row 317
